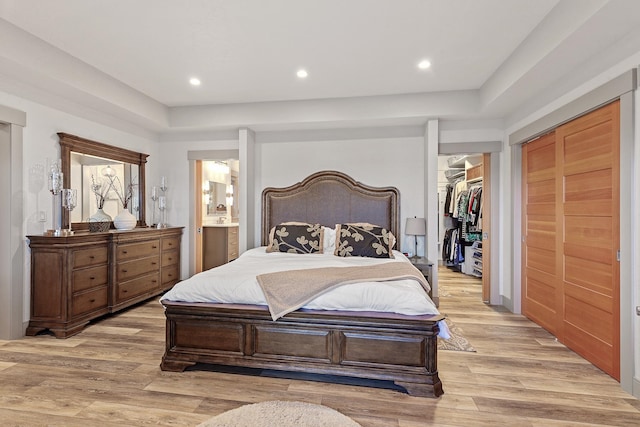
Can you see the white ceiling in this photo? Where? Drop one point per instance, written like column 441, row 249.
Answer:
column 134, row 58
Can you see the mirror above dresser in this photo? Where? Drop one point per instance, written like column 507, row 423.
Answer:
column 85, row 163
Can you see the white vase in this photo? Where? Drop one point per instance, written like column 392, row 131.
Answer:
column 125, row 220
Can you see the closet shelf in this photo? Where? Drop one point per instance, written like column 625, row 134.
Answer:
column 461, row 161
column 457, row 161
column 474, row 173
column 452, row 174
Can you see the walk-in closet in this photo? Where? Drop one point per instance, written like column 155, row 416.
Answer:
column 461, row 208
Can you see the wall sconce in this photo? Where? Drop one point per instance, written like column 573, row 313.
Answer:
column 229, row 195
column 206, row 191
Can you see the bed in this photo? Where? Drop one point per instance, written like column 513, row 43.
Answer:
column 401, row 348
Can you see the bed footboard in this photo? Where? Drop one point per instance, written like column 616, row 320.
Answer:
column 382, row 346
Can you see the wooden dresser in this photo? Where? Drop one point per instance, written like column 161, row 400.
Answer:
column 219, row 245
column 75, row 279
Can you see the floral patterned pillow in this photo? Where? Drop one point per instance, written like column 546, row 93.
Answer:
column 363, row 239
column 296, row 238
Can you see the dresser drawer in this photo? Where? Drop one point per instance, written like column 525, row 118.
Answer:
column 86, row 302
column 170, row 258
column 170, row 275
column 169, row 243
column 232, row 233
column 139, row 286
column 91, row 256
column 232, row 253
column 232, row 243
column 131, row 269
column 88, row 278
column 138, row 250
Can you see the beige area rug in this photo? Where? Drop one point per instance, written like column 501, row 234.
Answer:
column 457, row 342
column 279, row 413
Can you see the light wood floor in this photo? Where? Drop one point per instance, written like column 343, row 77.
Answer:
column 108, row 376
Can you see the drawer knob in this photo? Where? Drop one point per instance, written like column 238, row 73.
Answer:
column 124, row 271
column 170, row 259
column 154, row 281
column 92, row 278
column 92, row 300
column 124, row 252
column 91, row 257
column 154, row 247
column 154, row 263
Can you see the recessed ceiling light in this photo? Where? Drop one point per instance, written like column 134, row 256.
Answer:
column 302, row 73
column 424, row 64
column 194, row 81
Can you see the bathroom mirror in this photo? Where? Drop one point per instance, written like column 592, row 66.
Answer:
column 216, row 198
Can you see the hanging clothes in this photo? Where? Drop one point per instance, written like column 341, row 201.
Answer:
column 457, row 190
column 463, row 205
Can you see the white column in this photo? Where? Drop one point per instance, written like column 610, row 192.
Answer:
column 431, row 141
column 247, row 203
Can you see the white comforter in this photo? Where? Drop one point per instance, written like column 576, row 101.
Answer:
column 236, row 282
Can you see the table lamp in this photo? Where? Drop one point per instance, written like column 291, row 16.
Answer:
column 415, row 227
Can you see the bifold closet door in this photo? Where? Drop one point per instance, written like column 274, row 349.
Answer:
column 571, row 230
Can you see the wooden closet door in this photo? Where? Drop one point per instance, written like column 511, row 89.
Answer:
column 571, row 235
column 590, row 221
column 540, row 289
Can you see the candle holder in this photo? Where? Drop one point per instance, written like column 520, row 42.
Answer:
column 55, row 188
column 162, row 203
column 69, row 200
column 162, row 206
column 154, row 197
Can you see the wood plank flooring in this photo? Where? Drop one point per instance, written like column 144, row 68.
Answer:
column 109, row 376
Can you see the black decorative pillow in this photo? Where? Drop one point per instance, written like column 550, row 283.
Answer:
column 362, row 239
column 296, row 238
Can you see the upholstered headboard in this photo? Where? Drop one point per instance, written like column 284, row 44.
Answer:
column 330, row 198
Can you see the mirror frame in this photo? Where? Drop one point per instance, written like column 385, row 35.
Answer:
column 69, row 143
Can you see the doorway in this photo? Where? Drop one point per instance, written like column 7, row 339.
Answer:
column 216, row 212
column 196, row 199
column 12, row 247
column 464, row 216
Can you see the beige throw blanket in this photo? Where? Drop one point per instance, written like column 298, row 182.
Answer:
column 287, row 291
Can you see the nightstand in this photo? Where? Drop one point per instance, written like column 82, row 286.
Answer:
column 425, row 266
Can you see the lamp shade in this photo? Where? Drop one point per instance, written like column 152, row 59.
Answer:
column 415, row 227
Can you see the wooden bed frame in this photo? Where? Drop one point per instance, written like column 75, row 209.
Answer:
column 371, row 345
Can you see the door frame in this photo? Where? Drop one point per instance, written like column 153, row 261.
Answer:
column 13, row 250
column 491, row 150
column 195, row 196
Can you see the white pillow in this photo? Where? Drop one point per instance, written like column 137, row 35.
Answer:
column 329, row 241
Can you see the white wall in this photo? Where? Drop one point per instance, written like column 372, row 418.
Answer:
column 394, row 162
